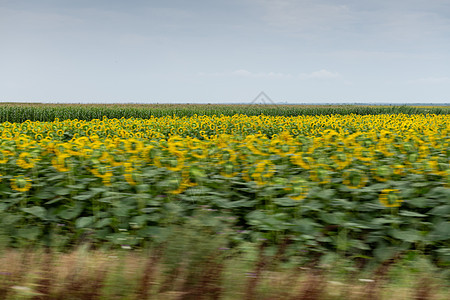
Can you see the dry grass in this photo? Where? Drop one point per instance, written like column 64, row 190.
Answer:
column 93, row 274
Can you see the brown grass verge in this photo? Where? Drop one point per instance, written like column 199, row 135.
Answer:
column 93, row 274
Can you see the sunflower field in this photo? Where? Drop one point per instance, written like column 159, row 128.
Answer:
column 367, row 186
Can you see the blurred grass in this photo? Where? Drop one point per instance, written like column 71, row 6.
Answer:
column 101, row 274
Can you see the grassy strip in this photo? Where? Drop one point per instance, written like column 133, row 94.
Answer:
column 158, row 274
column 14, row 112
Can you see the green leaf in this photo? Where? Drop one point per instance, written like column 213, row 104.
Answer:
column 83, row 197
column 441, row 231
column 330, row 218
column 140, row 220
column 122, row 210
column 325, row 194
column 305, row 226
column 383, row 252
column 149, row 210
column 255, row 215
column 84, row 222
column 54, row 200
column 418, row 202
column 103, row 223
column 57, row 177
column 354, row 225
column 407, row 213
column 29, row 233
column 76, row 186
column 439, row 193
column 377, row 187
column 222, row 203
column 420, row 184
column 103, row 233
column 442, row 210
column 444, row 254
column 62, row 191
column 380, row 221
column 359, row 245
column 11, row 219
column 329, row 259
column 344, row 203
column 45, row 195
column 285, row 201
column 98, row 190
column 36, row 211
column 410, row 235
column 158, row 234
column 71, row 213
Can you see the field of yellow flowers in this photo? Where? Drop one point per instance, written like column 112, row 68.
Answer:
column 367, row 186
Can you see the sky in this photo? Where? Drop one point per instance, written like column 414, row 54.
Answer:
column 199, row 51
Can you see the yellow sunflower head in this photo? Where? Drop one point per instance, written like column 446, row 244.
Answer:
column 390, row 198
column 21, row 183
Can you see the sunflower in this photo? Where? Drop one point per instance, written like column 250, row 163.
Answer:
column 26, row 160
column 229, row 170
column 21, row 183
column 59, row 162
column 103, row 173
column 184, row 183
column 382, row 173
column 354, row 178
column 264, row 170
column 304, row 162
column 390, row 198
column 129, row 173
column 4, row 156
column 320, row 174
column 300, row 189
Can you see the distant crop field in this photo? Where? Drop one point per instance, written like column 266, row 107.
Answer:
column 20, row 112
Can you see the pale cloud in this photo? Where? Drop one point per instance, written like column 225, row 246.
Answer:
column 378, row 22
column 245, row 73
column 38, row 20
column 381, row 55
column 431, row 80
column 304, row 16
column 248, row 74
column 412, row 26
column 317, row 75
column 321, row 75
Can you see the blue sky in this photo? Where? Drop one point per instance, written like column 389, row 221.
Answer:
column 304, row 51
